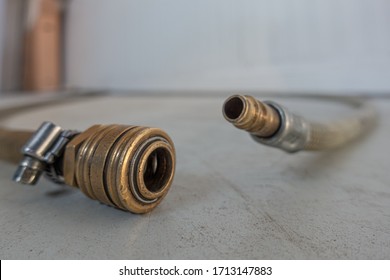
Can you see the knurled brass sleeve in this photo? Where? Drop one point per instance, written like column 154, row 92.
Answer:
column 128, row 167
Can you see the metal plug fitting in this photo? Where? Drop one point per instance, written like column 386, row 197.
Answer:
column 127, row 167
column 267, row 122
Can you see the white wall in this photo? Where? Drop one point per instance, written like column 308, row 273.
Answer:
column 227, row 44
column 13, row 44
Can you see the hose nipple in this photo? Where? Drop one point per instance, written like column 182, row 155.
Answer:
column 247, row 113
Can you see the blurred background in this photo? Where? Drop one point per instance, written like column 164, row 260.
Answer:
column 193, row 46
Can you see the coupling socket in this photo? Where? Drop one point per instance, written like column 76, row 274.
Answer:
column 267, row 122
column 127, row 167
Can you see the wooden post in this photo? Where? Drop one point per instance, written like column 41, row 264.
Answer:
column 42, row 46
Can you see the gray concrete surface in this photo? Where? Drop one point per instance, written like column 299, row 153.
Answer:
column 231, row 198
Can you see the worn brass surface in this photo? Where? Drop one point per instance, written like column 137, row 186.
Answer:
column 247, row 113
column 128, row 167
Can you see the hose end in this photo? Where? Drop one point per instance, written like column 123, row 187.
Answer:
column 267, row 122
column 251, row 115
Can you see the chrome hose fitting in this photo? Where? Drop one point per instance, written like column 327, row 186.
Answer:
column 127, row 167
column 293, row 133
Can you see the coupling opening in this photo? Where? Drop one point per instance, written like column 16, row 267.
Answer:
column 159, row 166
column 233, row 108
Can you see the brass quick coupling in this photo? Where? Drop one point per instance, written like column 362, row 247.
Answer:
column 127, row 167
column 267, row 122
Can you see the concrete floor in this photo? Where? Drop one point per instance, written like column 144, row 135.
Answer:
column 231, row 198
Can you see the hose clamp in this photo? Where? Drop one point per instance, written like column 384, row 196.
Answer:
column 41, row 153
